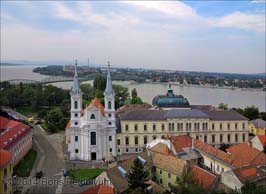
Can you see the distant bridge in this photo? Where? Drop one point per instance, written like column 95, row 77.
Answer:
column 47, row 80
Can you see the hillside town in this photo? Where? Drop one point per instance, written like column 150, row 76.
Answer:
column 167, row 144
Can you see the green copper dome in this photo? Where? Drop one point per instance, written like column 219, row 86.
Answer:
column 170, row 100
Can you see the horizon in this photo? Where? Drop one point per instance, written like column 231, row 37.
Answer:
column 196, row 35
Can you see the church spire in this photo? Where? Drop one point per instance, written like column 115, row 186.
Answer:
column 109, row 88
column 76, row 87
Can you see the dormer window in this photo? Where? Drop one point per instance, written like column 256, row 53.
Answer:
column 109, row 105
column 92, row 116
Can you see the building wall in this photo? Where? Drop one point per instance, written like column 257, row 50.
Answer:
column 165, row 178
column 214, row 165
column 21, row 148
column 216, row 132
column 256, row 143
column 5, row 177
column 230, row 180
column 256, row 131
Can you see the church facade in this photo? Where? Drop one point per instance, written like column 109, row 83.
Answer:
column 90, row 134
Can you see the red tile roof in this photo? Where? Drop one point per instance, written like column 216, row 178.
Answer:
column 203, row 177
column 96, row 103
column 242, row 154
column 100, row 189
column 5, row 157
column 260, row 159
column 262, row 139
column 11, row 132
column 251, row 173
column 68, row 125
column 180, row 142
column 162, row 148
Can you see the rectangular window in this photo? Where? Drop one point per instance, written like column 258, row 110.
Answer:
column 235, row 126
column 126, row 150
column 228, row 126
column 160, row 171
column 76, row 138
column 127, row 140
column 161, row 181
column 213, row 126
column 118, row 141
column 162, row 127
column 136, row 127
column 169, row 127
column 218, row 168
column 136, row 140
column 145, row 140
column 221, row 138
column 118, row 150
column 221, row 126
column 244, row 137
column 136, row 150
column 76, row 123
column 145, row 127
column 228, row 138
column 236, row 138
column 126, row 127
column 154, row 127
column 205, row 138
column 169, row 175
column 243, row 126
column 76, row 150
column 213, row 138
column 76, row 115
column 110, row 138
column 76, row 104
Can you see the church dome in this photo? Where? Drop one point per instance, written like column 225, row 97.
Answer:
column 170, row 100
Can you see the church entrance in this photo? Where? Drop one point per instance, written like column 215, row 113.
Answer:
column 93, row 156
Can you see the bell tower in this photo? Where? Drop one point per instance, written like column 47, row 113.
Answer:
column 76, row 100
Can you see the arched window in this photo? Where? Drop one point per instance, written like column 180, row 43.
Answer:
column 76, row 104
column 93, row 138
column 109, row 105
column 92, row 116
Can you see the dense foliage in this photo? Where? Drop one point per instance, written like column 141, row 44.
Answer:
column 137, row 177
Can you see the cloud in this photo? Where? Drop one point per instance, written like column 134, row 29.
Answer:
column 252, row 22
column 258, row 1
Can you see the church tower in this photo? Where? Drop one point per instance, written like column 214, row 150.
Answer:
column 109, row 100
column 76, row 100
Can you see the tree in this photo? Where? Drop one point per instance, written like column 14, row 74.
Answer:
column 121, row 95
column 223, row 106
column 251, row 112
column 137, row 176
column 55, row 120
column 136, row 100
column 99, row 82
column 134, row 93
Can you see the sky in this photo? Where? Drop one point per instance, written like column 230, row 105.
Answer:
column 211, row 36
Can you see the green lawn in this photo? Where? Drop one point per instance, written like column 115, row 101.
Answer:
column 23, row 168
column 81, row 174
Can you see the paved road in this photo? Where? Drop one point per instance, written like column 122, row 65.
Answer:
column 49, row 163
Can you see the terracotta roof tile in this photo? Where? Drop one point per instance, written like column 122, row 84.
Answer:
column 99, row 189
column 250, row 173
column 260, row 159
column 96, row 103
column 162, row 148
column 203, row 177
column 169, row 163
column 5, row 157
column 180, row 142
column 262, row 139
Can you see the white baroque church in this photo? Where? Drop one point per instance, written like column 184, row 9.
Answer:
column 91, row 132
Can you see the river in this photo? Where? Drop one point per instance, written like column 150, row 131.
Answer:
column 147, row 91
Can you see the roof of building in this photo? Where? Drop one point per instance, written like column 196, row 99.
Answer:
column 262, row 139
column 155, row 114
column 11, row 132
column 180, row 142
column 100, row 189
column 119, row 182
column 224, row 115
column 239, row 153
column 5, row 157
column 162, row 149
column 203, row 177
column 130, row 107
column 144, row 115
column 259, row 123
column 170, row 100
column 260, row 159
column 96, row 103
column 251, row 173
column 169, row 163
column 185, row 113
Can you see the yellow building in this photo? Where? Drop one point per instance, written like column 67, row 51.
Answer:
column 257, row 127
column 5, row 172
